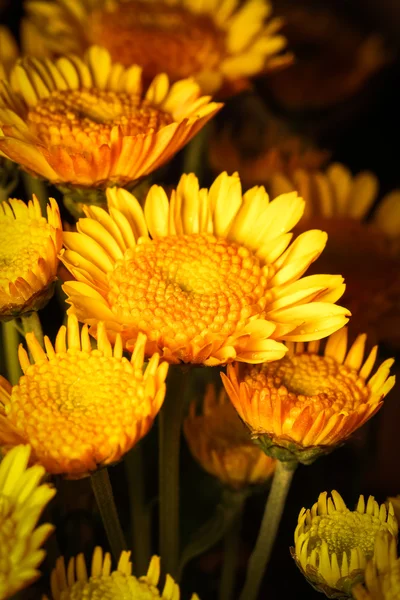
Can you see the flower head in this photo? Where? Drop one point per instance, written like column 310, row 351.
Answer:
column 382, row 573
column 86, row 123
column 307, row 403
column 29, row 247
column 333, row 543
column 96, row 403
column 209, row 276
column 111, row 585
column 217, row 42
column 221, row 443
column 22, row 500
column 8, row 51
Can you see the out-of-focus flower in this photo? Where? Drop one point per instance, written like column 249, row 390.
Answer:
column 22, row 500
column 221, row 443
column 217, row 42
column 382, row 573
column 307, row 403
column 96, row 403
column 217, row 280
column 86, row 123
column 333, row 543
column 9, row 51
column 102, row 582
column 367, row 253
column 29, row 247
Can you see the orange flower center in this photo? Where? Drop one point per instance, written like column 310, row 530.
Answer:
column 90, row 403
column 22, row 243
column 67, row 113
column 178, row 289
column 310, row 380
column 158, row 37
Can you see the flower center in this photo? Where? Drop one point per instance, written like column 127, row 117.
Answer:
column 179, row 289
column 68, row 113
column 22, row 243
column 311, row 380
column 112, row 587
column 158, row 37
column 89, row 402
column 343, row 531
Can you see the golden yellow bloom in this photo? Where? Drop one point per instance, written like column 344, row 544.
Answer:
column 395, row 501
column 217, row 280
column 216, row 41
column 22, row 500
column 96, row 403
column 86, row 122
column 382, row 573
column 333, row 543
column 221, row 443
column 9, row 51
column 366, row 253
column 306, row 403
column 29, row 247
column 74, row 583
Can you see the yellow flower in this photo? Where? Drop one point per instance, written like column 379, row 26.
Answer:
column 382, row 573
column 367, row 253
column 216, row 41
column 395, row 500
column 9, row 51
column 29, row 247
column 307, row 403
column 216, row 281
column 86, row 122
column 333, row 543
column 22, row 500
column 75, row 584
column 96, row 403
column 221, row 444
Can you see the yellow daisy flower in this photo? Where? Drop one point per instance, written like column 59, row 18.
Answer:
column 96, row 403
column 209, row 276
column 221, row 444
column 74, row 583
column 85, row 122
column 367, row 253
column 29, row 248
column 382, row 573
column 22, row 500
column 333, row 543
column 307, row 403
column 216, row 41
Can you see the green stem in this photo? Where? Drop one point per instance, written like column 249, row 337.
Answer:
column 11, row 339
column 31, row 323
column 34, row 185
column 231, row 552
column 170, row 421
column 269, row 527
column 194, row 153
column 140, row 517
column 102, row 490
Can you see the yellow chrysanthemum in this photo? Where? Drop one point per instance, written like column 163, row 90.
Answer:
column 221, row 444
column 216, row 281
column 86, row 122
column 74, row 583
column 382, row 573
column 367, row 253
column 333, row 543
column 216, row 41
column 96, row 403
column 22, row 500
column 306, row 403
column 29, row 247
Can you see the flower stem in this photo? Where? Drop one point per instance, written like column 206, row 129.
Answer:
column 170, row 421
column 140, row 518
column 34, row 185
column 231, row 551
column 269, row 527
column 31, row 323
column 11, row 338
column 102, row 490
